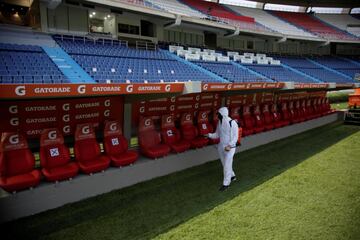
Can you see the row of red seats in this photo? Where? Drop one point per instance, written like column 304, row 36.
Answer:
column 258, row 118
column 17, row 161
column 312, row 24
column 154, row 144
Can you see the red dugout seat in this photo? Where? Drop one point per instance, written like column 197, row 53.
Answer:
column 190, row 132
column 248, row 120
column 294, row 114
column 17, row 164
column 278, row 121
column 87, row 150
column 171, row 135
column 235, row 114
column 285, row 115
column 116, row 145
column 268, row 118
column 205, row 127
column 150, row 140
column 55, row 157
column 300, row 112
column 310, row 110
column 259, row 120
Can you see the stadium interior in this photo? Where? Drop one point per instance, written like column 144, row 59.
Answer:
column 88, row 87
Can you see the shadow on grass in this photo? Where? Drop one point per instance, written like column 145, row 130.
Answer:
column 147, row 209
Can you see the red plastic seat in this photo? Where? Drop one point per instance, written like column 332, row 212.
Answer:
column 248, row 121
column 87, row 150
column 150, row 140
column 310, row 110
column 116, row 145
column 55, row 157
column 17, row 164
column 268, row 118
column 205, row 127
column 278, row 121
column 171, row 135
column 190, row 132
column 300, row 112
column 285, row 115
column 259, row 120
column 293, row 112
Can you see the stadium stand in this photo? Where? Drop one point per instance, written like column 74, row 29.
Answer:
column 316, row 71
column 221, row 13
column 340, row 65
column 27, row 64
column 177, row 7
column 280, row 73
column 106, row 62
column 314, row 25
column 272, row 22
column 342, row 21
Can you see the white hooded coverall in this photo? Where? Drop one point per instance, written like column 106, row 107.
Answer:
column 228, row 137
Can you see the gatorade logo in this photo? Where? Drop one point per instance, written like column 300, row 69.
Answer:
column 172, row 107
column 142, row 109
column 168, row 119
column 66, row 106
column 13, row 109
column 66, row 129
column 113, row 127
column 85, row 130
column 20, row 90
column 206, row 86
column 169, row 133
column 167, row 88
column 14, row 139
column 172, row 99
column 106, row 113
column 129, row 88
column 147, row 122
column 52, row 135
column 107, row 103
column 188, row 117
column 81, row 89
column 229, row 86
column 14, row 121
column 196, row 105
column 197, row 97
column 66, row 118
column 204, row 115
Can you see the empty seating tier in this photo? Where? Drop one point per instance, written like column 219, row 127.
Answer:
column 314, row 25
column 307, row 67
column 115, row 63
column 280, row 73
column 27, row 64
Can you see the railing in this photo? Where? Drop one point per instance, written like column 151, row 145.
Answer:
column 86, row 39
column 146, row 45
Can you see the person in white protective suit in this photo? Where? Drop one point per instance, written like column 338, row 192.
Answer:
column 228, row 134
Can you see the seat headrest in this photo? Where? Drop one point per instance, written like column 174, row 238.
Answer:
column 51, row 136
column 203, row 116
column 186, row 119
column 235, row 112
column 12, row 141
column 145, row 124
column 167, row 121
column 84, row 131
column 112, row 128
